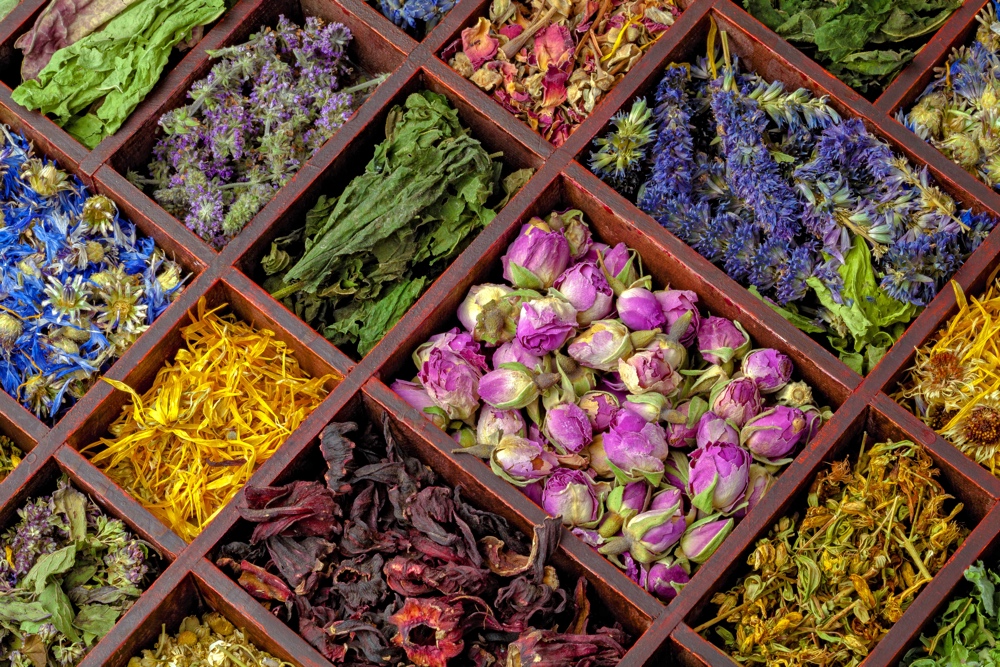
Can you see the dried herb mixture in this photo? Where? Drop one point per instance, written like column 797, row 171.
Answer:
column 384, row 565
column 78, row 284
column 957, row 112
column 829, row 584
column 265, row 107
column 548, row 62
column 364, row 257
column 649, row 428
column 213, row 641
column 864, row 43
column 953, row 385
column 811, row 212
column 229, row 399
column 68, row 574
column 10, row 456
column 93, row 84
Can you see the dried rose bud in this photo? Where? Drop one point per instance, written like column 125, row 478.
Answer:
column 683, row 422
column 770, row 369
column 415, row 395
column 649, row 534
column 635, row 447
column 795, row 395
column 650, row 406
column 721, row 340
column 619, row 267
column 737, row 401
column 514, row 352
column 536, row 257
column 451, row 382
column 640, row 310
column 522, row 461
column 572, row 495
column 575, row 229
column 493, row 424
column 479, row 296
column 704, row 537
column 600, row 407
column 456, row 342
column 774, row 433
column 545, row 325
column 630, row 499
column 508, row 388
column 677, row 303
column 602, row 345
column 585, row 286
column 648, row 371
column 714, row 430
column 665, row 579
column 760, row 483
column 568, row 428
column 718, row 477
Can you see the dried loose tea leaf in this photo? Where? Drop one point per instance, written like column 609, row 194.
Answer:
column 229, row 399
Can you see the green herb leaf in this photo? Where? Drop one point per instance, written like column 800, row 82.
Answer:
column 56, row 602
column 97, row 619
column 48, row 566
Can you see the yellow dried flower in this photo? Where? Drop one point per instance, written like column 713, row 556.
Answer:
column 227, row 402
column 954, row 384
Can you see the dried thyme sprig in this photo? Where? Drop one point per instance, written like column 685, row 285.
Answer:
column 827, row 586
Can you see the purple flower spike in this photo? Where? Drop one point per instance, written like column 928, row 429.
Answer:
column 585, row 286
column 640, row 310
column 545, row 325
column 737, row 401
column 568, row 428
column 572, row 495
column 770, row 369
column 718, row 477
column 536, row 258
column 774, row 433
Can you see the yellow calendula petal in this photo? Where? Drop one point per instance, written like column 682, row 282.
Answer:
column 228, row 401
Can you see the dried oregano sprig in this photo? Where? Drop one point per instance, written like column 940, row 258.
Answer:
column 214, row 642
column 959, row 111
column 827, row 586
column 68, row 572
column 954, row 383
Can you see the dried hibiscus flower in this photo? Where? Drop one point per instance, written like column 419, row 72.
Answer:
column 549, row 61
column 379, row 564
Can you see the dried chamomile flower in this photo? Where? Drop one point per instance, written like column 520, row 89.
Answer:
column 953, row 385
column 213, row 641
column 78, row 285
column 230, row 398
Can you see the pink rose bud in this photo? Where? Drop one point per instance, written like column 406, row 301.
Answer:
column 508, row 388
column 760, row 483
column 636, row 447
column 665, row 580
column 675, row 304
column 585, row 286
column 514, row 352
column 774, row 433
column 737, row 401
column 493, row 424
column 567, row 427
column 721, row 340
column 602, row 345
column 522, row 461
column 571, row 495
column 714, row 430
column 479, row 296
column 545, row 325
column 770, row 369
column 718, row 477
column 536, row 257
column 639, row 309
column 415, row 395
column 704, row 537
column 600, row 407
column 451, row 382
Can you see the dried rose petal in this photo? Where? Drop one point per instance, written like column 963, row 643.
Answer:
column 477, row 43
